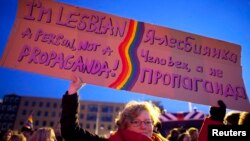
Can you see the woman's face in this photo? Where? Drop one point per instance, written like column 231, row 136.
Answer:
column 142, row 124
column 8, row 134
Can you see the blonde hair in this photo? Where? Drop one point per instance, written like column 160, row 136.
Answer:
column 133, row 110
column 232, row 118
column 7, row 135
column 191, row 130
column 17, row 136
column 43, row 134
column 244, row 118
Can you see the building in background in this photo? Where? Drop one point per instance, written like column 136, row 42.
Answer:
column 8, row 111
column 95, row 116
column 15, row 110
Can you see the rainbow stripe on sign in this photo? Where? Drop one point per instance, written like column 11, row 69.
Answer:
column 128, row 53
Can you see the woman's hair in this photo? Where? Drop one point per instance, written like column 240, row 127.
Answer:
column 7, row 135
column 183, row 135
column 191, row 130
column 244, row 118
column 173, row 134
column 232, row 118
column 43, row 134
column 133, row 110
column 17, row 136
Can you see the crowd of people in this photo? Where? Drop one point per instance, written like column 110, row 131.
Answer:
column 136, row 122
column 40, row 134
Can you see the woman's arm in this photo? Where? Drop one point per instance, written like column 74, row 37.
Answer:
column 70, row 129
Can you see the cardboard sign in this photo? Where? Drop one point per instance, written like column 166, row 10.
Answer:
column 59, row 40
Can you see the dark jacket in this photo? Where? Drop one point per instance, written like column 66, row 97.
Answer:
column 70, row 129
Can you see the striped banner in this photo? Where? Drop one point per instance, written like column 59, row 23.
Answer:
column 182, row 116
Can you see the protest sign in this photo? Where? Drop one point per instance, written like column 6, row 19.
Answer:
column 59, row 40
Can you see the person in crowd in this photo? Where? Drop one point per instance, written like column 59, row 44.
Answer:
column 27, row 132
column 43, row 134
column 135, row 122
column 216, row 117
column 58, row 132
column 244, row 119
column 27, row 128
column 17, row 136
column 157, row 127
column 7, row 135
column 184, row 137
column 193, row 132
column 232, row 118
column 173, row 134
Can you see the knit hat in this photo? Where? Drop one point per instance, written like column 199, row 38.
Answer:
column 218, row 112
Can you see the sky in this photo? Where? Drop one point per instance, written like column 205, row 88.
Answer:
column 226, row 20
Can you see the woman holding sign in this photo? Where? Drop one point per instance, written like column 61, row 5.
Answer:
column 135, row 123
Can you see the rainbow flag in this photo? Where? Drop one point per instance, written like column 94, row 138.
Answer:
column 128, row 53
